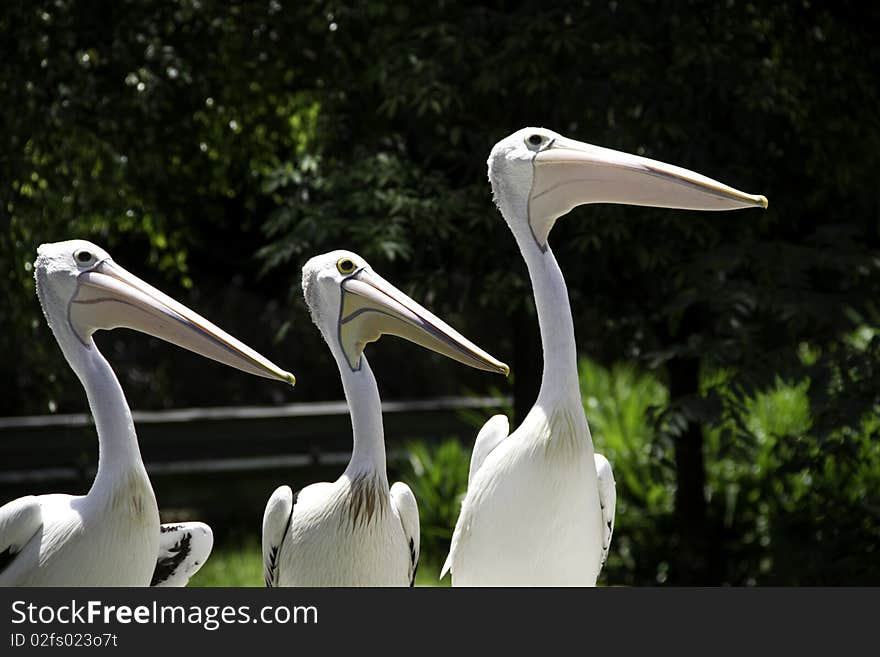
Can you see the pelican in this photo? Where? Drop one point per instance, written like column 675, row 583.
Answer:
column 356, row 531
column 110, row 536
column 539, row 508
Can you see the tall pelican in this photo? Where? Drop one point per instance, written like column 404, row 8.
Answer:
column 356, row 531
column 111, row 536
column 539, row 509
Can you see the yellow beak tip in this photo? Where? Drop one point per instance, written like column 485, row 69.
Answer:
column 290, row 378
column 763, row 201
column 505, row 370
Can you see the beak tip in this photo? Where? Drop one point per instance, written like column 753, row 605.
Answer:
column 290, row 378
column 505, row 370
column 764, row 203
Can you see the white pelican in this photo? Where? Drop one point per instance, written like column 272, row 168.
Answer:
column 356, row 531
column 111, row 536
column 539, row 509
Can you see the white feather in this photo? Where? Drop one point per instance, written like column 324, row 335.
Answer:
column 404, row 503
column 492, row 433
column 19, row 520
column 607, row 501
column 276, row 521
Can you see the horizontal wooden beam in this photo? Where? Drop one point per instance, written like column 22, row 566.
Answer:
column 254, row 412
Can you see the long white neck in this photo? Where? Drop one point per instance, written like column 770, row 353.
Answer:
column 559, row 381
column 118, row 450
column 560, row 375
column 365, row 408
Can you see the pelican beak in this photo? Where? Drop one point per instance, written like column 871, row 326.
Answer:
column 110, row 297
column 569, row 173
column 371, row 306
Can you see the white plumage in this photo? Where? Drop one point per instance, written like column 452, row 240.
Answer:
column 540, row 504
column 607, row 502
column 492, row 433
column 534, row 503
column 111, row 536
column 356, row 531
column 346, row 533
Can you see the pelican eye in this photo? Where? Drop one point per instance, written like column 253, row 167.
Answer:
column 535, row 140
column 345, row 266
column 84, row 257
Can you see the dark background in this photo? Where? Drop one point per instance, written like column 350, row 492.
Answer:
column 213, row 147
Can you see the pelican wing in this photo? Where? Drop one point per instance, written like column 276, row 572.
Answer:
column 276, row 525
column 20, row 520
column 183, row 549
column 490, row 436
column 492, row 433
column 404, row 502
column 608, row 502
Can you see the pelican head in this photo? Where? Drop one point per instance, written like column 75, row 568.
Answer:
column 539, row 175
column 82, row 291
column 353, row 305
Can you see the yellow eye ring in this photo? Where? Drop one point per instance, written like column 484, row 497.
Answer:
column 345, row 266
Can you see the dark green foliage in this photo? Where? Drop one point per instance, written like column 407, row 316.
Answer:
column 785, row 506
column 437, row 475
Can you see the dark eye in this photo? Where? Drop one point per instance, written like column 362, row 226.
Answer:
column 84, row 257
column 535, row 140
column 345, row 266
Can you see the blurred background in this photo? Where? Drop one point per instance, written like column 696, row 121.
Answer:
column 730, row 362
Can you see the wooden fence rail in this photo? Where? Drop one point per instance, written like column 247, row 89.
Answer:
column 222, row 462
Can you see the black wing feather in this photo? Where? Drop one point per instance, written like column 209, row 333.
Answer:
column 6, row 557
column 165, row 567
column 414, row 562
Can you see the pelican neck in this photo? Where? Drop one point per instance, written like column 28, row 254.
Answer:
column 559, row 378
column 118, row 450
column 365, row 411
